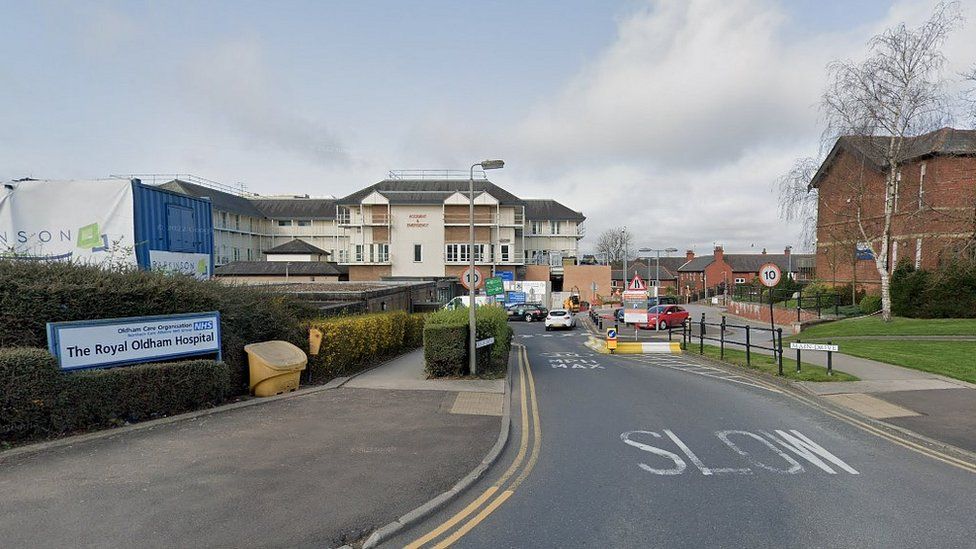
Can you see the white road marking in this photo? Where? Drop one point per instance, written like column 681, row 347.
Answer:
column 698, row 369
column 793, row 441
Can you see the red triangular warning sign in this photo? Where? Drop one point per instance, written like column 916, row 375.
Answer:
column 637, row 283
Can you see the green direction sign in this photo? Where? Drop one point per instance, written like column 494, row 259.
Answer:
column 494, row 286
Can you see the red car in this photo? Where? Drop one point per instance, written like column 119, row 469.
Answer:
column 661, row 316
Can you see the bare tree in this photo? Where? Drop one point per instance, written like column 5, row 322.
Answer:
column 614, row 243
column 896, row 94
column 796, row 202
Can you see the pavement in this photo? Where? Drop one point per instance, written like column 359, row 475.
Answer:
column 676, row 451
column 934, row 406
column 317, row 469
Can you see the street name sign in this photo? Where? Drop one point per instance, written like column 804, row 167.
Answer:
column 494, row 286
column 467, row 280
column 770, row 275
column 814, row 347
column 120, row 341
column 484, row 342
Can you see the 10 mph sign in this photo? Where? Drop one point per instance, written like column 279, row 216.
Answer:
column 467, row 279
column 769, row 274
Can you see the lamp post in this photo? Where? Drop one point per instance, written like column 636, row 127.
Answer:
column 472, row 337
column 657, row 267
column 623, row 238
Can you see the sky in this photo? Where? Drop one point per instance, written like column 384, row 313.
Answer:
column 672, row 118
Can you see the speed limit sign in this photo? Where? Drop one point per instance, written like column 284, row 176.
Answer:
column 769, row 274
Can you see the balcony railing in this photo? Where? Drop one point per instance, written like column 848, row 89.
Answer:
column 464, row 219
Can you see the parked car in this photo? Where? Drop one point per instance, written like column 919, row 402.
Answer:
column 662, row 300
column 661, row 316
column 560, row 318
column 618, row 314
column 527, row 312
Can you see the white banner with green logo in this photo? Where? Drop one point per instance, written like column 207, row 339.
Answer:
column 87, row 221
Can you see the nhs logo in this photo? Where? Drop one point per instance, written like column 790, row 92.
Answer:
column 203, row 325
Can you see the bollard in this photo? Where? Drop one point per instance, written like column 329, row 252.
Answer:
column 798, row 359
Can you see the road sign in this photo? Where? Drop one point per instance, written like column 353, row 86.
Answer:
column 611, row 334
column 466, row 278
column 516, row 297
column 507, row 276
column 484, row 342
column 770, row 275
column 637, row 283
column 814, row 347
column 611, row 340
column 494, row 286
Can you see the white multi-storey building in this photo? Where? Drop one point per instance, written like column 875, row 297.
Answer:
column 403, row 226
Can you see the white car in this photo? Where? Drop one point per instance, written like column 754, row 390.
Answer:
column 560, row 318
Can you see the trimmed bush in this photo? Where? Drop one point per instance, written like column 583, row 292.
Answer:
column 949, row 292
column 37, row 400
column 446, row 341
column 350, row 344
column 870, row 304
column 32, row 294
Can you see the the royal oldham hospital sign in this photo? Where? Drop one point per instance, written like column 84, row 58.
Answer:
column 120, row 341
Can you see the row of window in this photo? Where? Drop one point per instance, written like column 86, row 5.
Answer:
column 294, row 222
column 537, row 227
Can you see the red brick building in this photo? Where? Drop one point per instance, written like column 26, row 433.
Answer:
column 719, row 269
column 934, row 209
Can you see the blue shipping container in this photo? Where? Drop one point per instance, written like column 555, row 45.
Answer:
column 173, row 231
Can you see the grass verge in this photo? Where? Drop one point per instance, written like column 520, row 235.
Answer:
column 949, row 358
column 767, row 364
column 874, row 326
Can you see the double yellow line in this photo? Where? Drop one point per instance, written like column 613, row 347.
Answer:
column 502, row 489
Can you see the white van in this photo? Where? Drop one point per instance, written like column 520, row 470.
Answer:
column 462, row 301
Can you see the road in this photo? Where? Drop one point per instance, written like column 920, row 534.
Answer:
column 666, row 451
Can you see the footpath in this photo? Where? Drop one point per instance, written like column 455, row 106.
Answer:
column 934, row 406
column 320, row 468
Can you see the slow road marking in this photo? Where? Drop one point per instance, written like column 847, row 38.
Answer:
column 762, row 451
column 502, row 489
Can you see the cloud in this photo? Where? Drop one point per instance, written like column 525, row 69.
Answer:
column 234, row 84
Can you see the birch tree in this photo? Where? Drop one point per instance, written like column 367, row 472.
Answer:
column 884, row 101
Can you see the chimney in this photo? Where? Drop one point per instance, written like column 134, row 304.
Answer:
column 719, row 254
column 786, row 251
column 764, row 251
column 689, row 255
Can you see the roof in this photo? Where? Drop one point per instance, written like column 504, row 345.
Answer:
column 278, row 268
column 943, row 142
column 221, row 201
column 296, row 246
column 296, row 208
column 550, row 210
column 427, row 191
column 665, row 273
column 748, row 263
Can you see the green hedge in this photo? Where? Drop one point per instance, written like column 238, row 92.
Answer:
column 38, row 401
column 949, row 292
column 870, row 304
column 446, row 342
column 350, row 344
column 32, row 294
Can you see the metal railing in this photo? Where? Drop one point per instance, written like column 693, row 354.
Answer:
column 435, row 174
column 818, row 302
column 776, row 338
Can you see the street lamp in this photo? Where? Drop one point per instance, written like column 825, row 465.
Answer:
column 472, row 337
column 657, row 267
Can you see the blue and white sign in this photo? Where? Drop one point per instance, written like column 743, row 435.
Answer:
column 863, row 251
column 119, row 341
column 516, row 297
column 507, row 276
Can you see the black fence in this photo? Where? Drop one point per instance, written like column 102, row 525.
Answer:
column 700, row 331
column 818, row 302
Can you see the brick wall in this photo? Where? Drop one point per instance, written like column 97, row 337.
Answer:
column 583, row 277
column 537, row 272
column 368, row 272
column 760, row 312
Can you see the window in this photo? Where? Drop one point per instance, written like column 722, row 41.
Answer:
column 284, row 222
column 359, row 253
column 249, row 254
column 506, row 253
column 237, row 254
column 418, row 253
column 382, row 252
column 451, row 253
column 237, row 222
column 343, row 215
column 223, row 219
column 740, row 281
column 459, row 252
column 554, row 227
column 536, row 227
column 304, row 223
